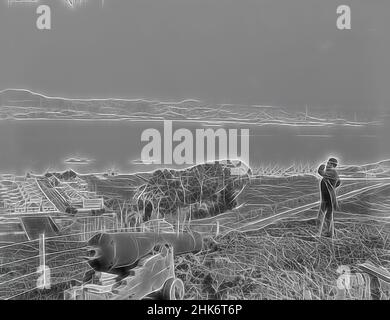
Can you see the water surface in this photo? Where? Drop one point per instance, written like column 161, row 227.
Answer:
column 40, row 145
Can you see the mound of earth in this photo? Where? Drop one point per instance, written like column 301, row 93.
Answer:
column 205, row 189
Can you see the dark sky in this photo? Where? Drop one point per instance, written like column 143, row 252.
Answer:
column 272, row 52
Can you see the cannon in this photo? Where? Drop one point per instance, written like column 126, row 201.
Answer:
column 134, row 265
column 120, row 252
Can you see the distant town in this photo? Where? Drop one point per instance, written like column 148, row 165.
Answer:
column 44, row 197
column 46, row 194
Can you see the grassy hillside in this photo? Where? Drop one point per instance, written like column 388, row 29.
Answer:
column 283, row 261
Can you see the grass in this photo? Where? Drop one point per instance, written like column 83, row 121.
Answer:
column 281, row 261
column 276, row 170
column 284, row 261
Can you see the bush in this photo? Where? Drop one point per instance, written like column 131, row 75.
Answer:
column 168, row 189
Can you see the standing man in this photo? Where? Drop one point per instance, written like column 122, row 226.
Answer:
column 330, row 181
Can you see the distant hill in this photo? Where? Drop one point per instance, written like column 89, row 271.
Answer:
column 25, row 104
column 379, row 169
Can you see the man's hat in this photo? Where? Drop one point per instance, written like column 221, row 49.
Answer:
column 333, row 161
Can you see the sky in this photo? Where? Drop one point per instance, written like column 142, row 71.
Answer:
column 266, row 52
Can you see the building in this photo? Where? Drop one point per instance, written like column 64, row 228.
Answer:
column 47, row 206
column 93, row 204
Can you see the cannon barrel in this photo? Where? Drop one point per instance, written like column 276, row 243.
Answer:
column 112, row 251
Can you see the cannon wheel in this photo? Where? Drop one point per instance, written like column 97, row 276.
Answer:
column 173, row 289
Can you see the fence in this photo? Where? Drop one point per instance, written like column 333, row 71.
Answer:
column 37, row 269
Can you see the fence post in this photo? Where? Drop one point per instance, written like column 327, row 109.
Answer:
column 43, row 281
column 217, row 231
column 104, row 224
column 84, row 230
